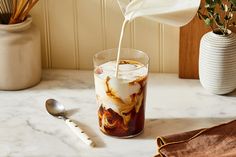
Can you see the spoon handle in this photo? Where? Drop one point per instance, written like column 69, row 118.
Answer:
column 80, row 133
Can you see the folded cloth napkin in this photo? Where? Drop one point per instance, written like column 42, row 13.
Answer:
column 218, row 141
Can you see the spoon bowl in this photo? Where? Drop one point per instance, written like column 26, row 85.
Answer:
column 55, row 108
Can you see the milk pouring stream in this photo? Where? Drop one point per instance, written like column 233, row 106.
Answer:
column 171, row 12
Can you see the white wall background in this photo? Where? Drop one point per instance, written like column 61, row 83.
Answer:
column 74, row 30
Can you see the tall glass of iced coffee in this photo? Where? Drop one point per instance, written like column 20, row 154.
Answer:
column 121, row 96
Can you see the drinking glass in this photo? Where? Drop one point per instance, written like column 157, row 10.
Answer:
column 121, row 98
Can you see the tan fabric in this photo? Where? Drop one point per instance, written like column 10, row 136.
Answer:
column 218, row 141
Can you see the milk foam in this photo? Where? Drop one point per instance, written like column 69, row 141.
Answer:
column 127, row 72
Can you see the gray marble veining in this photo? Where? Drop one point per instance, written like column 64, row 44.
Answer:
column 173, row 105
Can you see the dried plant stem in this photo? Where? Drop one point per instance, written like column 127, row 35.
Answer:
column 21, row 9
column 5, row 11
column 201, row 15
column 227, row 22
column 26, row 12
column 14, row 7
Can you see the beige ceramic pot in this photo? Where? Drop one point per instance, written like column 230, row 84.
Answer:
column 20, row 56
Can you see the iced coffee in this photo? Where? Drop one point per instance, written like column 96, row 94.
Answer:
column 121, row 99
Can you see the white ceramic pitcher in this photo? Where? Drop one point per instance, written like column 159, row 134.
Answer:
column 171, row 12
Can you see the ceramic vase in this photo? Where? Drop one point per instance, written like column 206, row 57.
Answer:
column 20, row 56
column 217, row 62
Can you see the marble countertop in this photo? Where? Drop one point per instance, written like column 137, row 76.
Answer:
column 173, row 105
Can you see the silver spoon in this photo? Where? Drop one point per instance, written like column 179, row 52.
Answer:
column 58, row 110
